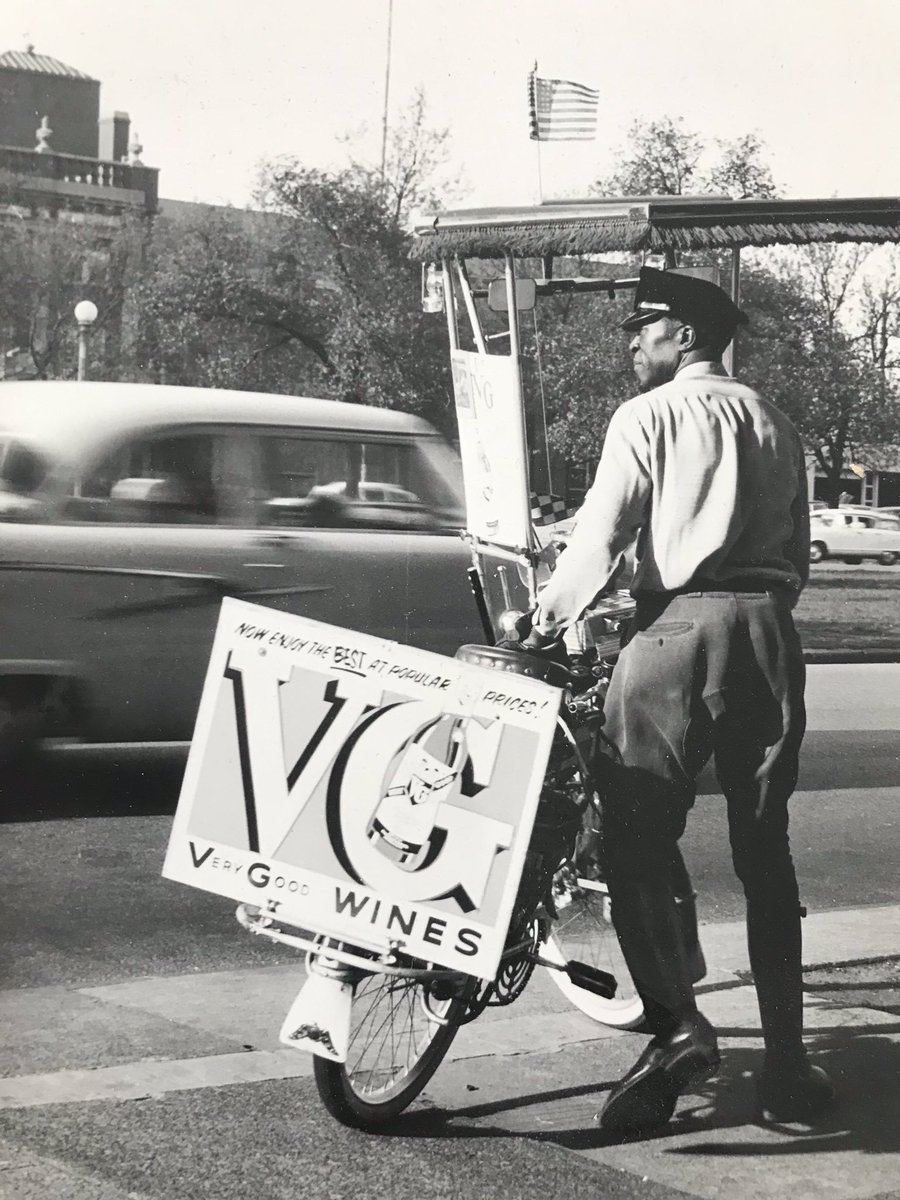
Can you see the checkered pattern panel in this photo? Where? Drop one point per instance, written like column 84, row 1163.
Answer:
column 546, row 509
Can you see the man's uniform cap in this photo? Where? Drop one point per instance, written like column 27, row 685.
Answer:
column 669, row 294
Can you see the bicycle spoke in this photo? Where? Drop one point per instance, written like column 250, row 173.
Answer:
column 389, row 1035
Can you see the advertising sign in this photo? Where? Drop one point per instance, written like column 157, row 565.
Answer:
column 492, row 447
column 362, row 789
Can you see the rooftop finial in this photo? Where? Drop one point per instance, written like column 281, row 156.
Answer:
column 135, row 150
column 29, row 48
column 44, row 133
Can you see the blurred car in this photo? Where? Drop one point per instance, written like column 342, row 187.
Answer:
column 889, row 510
column 127, row 511
column 854, row 534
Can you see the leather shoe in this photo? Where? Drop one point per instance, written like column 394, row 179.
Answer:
column 645, row 1098
column 802, row 1094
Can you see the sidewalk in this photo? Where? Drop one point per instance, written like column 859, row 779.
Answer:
column 713, row 1148
column 539, row 1069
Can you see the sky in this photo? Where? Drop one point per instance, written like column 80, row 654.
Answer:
column 215, row 88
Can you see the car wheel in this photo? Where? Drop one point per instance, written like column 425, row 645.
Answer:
column 817, row 552
column 20, row 721
column 887, row 557
column 31, row 708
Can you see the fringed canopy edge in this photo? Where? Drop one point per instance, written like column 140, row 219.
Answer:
column 679, row 223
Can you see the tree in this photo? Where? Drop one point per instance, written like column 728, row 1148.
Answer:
column 229, row 299
column 808, row 350
column 587, row 373
column 417, row 170
column 823, row 337
column 740, row 171
column 314, row 293
column 660, row 159
column 383, row 350
column 880, row 315
column 663, row 158
column 47, row 266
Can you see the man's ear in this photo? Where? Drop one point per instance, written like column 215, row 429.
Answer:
column 687, row 338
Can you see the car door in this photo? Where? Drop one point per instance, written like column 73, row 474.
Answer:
column 391, row 567
column 885, row 536
column 124, row 589
column 842, row 539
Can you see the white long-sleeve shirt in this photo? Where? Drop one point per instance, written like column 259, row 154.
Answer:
column 707, row 477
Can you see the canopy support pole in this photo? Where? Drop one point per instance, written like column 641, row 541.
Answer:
column 466, row 290
column 730, row 357
column 450, row 304
column 515, row 354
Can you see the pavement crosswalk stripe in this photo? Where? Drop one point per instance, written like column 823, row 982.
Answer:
column 542, row 1028
column 137, row 1081
column 544, row 1032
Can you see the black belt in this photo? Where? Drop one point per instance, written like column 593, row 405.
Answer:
column 753, row 586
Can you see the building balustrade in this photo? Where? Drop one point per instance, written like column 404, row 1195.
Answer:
column 119, row 184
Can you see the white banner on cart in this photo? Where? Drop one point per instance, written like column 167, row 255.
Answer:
column 492, row 447
column 360, row 788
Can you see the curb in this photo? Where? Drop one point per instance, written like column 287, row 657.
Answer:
column 834, row 937
column 851, row 656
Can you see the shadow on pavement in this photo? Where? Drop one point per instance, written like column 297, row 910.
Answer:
column 864, row 1063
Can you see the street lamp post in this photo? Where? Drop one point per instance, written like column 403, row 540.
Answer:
column 85, row 315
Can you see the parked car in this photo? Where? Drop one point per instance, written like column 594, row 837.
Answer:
column 128, row 511
column 854, row 534
column 377, row 492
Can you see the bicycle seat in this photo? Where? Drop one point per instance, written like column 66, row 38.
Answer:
column 518, row 662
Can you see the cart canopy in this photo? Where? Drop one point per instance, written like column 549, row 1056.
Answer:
column 653, row 223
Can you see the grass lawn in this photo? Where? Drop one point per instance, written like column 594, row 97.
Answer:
column 850, row 608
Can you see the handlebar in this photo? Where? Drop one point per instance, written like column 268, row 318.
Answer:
column 591, row 699
column 584, row 683
column 498, row 658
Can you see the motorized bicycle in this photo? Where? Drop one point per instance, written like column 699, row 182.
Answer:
column 405, row 1012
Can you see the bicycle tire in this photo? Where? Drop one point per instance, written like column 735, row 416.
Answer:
column 394, row 1050
column 583, row 931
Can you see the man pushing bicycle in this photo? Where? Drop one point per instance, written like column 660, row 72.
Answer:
column 709, row 480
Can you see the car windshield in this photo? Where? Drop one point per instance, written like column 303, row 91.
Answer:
column 22, row 470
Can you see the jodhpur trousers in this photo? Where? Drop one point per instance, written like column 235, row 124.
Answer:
column 705, row 674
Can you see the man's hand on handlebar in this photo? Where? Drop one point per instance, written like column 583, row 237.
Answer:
column 529, row 640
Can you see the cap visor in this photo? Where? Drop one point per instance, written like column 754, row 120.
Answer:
column 642, row 317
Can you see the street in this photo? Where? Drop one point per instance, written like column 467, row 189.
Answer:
column 141, row 1055
column 303, row 400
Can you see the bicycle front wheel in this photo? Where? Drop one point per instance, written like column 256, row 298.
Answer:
column 584, row 933
column 400, row 1031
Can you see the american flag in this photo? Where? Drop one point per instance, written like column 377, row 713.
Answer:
column 561, row 111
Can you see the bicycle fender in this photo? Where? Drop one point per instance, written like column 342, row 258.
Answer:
column 319, row 1019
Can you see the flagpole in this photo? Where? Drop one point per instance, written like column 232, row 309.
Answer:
column 387, row 87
